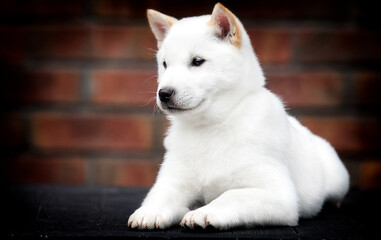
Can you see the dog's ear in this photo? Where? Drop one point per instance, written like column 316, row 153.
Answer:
column 160, row 24
column 225, row 24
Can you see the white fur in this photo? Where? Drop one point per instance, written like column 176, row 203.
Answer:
column 236, row 150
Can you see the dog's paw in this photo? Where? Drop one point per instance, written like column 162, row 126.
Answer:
column 204, row 217
column 147, row 218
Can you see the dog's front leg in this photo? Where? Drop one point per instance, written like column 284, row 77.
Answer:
column 165, row 205
column 246, row 207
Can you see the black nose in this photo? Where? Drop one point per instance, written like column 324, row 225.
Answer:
column 165, row 94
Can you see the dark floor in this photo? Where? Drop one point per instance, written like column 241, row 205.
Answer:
column 57, row 212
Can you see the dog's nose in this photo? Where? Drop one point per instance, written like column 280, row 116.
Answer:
column 165, row 94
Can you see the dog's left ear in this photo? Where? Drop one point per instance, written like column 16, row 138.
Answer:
column 160, row 24
column 225, row 24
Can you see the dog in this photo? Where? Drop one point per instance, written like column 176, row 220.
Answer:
column 231, row 146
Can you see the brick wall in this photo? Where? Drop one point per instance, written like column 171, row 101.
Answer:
column 78, row 81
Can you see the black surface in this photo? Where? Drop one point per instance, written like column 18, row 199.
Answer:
column 56, row 212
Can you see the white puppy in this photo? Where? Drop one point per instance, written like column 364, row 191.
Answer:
column 231, row 145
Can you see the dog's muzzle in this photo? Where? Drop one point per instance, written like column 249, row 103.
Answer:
column 169, row 103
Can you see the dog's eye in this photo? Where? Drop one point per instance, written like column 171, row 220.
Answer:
column 164, row 64
column 197, row 61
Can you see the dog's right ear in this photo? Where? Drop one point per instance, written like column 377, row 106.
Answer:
column 226, row 25
column 160, row 24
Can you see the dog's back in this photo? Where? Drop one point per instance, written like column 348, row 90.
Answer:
column 318, row 172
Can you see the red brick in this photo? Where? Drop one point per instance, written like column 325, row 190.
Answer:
column 123, row 42
column 126, row 172
column 117, row 86
column 114, row 42
column 111, row 42
column 367, row 87
column 47, row 170
column 60, row 42
column 41, row 86
column 308, row 89
column 271, row 45
column 339, row 46
column 370, row 173
column 146, row 43
column 347, row 134
column 92, row 132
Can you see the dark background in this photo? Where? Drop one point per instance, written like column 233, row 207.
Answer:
column 77, row 82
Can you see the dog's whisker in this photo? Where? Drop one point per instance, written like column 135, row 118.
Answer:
column 149, row 101
column 150, row 92
column 150, row 78
column 155, row 109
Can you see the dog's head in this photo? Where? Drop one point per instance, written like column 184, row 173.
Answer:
column 205, row 64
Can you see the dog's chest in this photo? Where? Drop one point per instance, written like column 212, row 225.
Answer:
column 200, row 147
column 209, row 158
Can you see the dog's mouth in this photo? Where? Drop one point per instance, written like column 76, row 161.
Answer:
column 175, row 109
